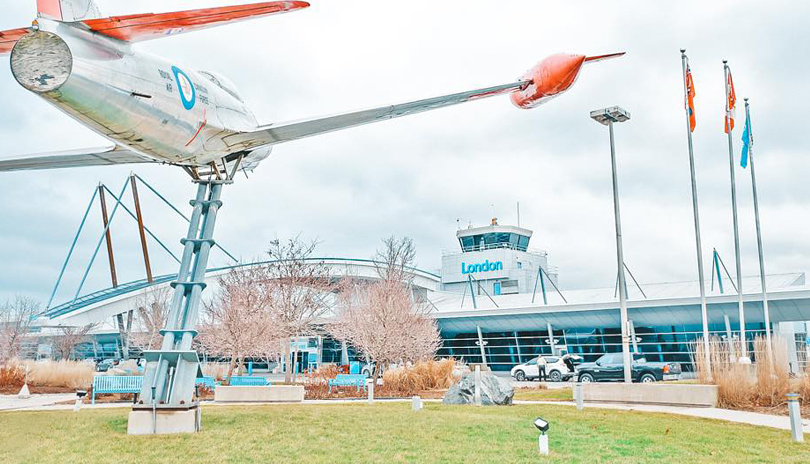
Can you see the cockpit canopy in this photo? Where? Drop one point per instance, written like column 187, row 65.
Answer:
column 223, row 83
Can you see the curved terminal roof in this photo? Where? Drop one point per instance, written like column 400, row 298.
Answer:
column 100, row 306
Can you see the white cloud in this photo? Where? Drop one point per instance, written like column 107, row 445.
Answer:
column 416, row 176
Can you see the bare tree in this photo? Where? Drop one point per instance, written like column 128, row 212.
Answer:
column 16, row 318
column 302, row 291
column 238, row 322
column 153, row 311
column 394, row 261
column 385, row 320
column 69, row 338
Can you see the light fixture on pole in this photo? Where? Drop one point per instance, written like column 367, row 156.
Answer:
column 542, row 442
column 608, row 117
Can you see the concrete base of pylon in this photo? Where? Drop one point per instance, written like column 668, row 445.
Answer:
column 164, row 421
column 24, row 393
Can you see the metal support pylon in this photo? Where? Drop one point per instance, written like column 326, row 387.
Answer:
column 171, row 371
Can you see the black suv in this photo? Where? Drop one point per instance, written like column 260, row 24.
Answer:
column 610, row 367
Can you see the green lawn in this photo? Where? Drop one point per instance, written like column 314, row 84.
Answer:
column 557, row 394
column 392, row 433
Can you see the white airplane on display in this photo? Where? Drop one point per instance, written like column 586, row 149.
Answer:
column 155, row 111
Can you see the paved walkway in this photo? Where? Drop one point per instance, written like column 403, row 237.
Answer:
column 743, row 417
column 12, row 402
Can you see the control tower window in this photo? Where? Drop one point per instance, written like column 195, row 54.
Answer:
column 494, row 240
column 523, row 243
column 467, row 243
column 497, row 238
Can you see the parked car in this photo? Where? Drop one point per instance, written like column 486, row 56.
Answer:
column 610, row 367
column 556, row 369
column 104, row 365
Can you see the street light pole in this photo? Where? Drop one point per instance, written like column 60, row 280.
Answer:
column 607, row 117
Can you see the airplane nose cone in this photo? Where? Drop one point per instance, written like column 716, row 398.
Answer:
column 551, row 77
column 563, row 72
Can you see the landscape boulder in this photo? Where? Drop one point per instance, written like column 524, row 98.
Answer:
column 494, row 391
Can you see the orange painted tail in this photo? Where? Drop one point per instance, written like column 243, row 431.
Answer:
column 9, row 38
column 140, row 27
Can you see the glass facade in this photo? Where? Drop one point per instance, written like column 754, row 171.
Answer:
column 332, row 349
column 504, row 350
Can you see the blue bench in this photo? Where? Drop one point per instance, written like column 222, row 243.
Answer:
column 348, row 380
column 248, row 381
column 116, row 384
column 207, row 382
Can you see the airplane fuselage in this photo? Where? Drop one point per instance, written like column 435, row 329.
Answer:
column 149, row 104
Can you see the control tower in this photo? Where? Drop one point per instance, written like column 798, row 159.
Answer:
column 496, row 259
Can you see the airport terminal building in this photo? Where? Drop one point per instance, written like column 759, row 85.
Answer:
column 496, row 301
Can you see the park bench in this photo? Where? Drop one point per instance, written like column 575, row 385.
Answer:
column 248, row 381
column 207, row 382
column 117, row 384
column 348, row 380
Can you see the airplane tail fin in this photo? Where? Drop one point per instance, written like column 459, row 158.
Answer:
column 68, row 10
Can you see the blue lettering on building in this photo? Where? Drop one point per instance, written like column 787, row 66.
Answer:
column 486, row 266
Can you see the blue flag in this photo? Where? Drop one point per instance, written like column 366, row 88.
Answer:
column 748, row 142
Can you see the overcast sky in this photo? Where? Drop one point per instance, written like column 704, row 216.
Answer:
column 416, row 176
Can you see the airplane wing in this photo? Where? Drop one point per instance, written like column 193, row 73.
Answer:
column 73, row 158
column 137, row 28
column 9, row 38
column 279, row 133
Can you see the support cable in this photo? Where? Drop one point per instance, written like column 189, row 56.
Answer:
column 716, row 270
column 72, row 247
column 144, row 227
column 463, row 295
column 162, row 197
column 100, row 241
column 180, row 213
column 727, row 273
column 539, row 278
column 553, row 284
column 485, row 291
column 635, row 281
column 472, row 291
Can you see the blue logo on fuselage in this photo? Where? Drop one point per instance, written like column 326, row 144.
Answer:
column 486, row 266
column 188, row 94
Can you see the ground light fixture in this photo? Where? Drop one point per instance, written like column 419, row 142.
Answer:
column 542, row 442
column 80, row 394
column 607, row 117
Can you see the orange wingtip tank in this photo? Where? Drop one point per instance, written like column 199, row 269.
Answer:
column 551, row 77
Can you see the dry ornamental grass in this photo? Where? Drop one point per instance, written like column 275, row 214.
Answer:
column 424, row 375
column 421, row 378
column 69, row 375
column 763, row 384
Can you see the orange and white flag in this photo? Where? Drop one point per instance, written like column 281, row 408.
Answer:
column 731, row 104
column 690, row 98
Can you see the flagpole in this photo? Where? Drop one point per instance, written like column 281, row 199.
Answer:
column 744, row 351
column 699, row 249
column 759, row 238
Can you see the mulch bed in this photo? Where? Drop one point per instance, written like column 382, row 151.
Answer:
column 780, row 410
column 13, row 390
